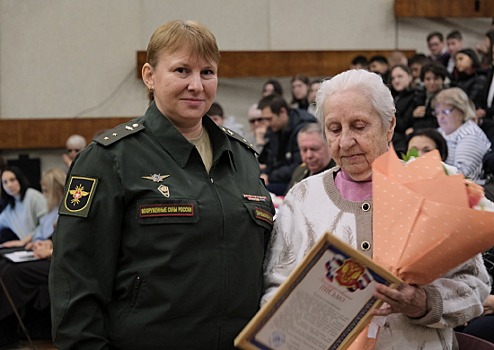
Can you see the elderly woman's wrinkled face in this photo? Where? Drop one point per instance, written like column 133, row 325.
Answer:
column 355, row 133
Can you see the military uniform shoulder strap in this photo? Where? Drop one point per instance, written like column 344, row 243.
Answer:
column 119, row 132
column 232, row 134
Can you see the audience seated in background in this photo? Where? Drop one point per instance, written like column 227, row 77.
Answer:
column 380, row 65
column 438, row 51
column 24, row 206
column 314, row 151
column 485, row 110
column 467, row 143
column 416, row 63
column 216, row 113
column 359, row 62
column 433, row 76
column 403, row 94
column 52, row 183
column 484, row 49
column 397, row 57
column 258, row 128
column 454, row 42
column 256, row 134
column 469, row 78
column 311, row 97
column 300, row 90
column 73, row 145
column 426, row 140
column 27, row 282
column 281, row 154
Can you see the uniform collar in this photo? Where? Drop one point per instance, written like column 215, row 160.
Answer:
column 177, row 145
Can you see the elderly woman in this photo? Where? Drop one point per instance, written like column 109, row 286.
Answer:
column 357, row 112
column 467, row 143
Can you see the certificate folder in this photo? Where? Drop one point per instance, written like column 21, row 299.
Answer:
column 324, row 304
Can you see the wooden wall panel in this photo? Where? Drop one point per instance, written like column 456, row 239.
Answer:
column 20, row 134
column 235, row 64
column 444, row 8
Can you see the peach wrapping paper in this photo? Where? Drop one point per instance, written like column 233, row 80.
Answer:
column 422, row 223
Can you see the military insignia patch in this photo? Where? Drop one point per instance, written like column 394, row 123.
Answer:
column 79, row 196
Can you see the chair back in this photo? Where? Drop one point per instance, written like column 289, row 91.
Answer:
column 469, row 342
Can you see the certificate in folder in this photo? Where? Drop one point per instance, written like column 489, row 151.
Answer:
column 324, row 304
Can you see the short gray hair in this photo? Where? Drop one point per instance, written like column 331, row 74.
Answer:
column 368, row 84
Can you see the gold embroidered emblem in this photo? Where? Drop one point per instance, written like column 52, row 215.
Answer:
column 77, row 194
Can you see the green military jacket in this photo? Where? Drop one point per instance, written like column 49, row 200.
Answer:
column 151, row 251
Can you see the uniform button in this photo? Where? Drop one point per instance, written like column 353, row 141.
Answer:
column 212, row 181
column 366, row 206
column 365, row 245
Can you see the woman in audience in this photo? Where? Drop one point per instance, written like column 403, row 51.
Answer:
column 469, row 79
column 426, row 140
column 52, row 184
column 300, row 92
column 433, row 76
column 24, row 206
column 272, row 86
column 27, row 282
column 467, row 143
column 403, row 94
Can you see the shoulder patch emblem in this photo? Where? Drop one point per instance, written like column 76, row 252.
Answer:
column 78, row 197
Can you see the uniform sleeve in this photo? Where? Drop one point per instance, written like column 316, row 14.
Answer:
column 86, row 253
column 457, row 297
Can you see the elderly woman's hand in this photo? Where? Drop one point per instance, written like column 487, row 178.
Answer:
column 407, row 299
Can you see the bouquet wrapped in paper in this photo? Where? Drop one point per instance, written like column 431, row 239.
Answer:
column 427, row 219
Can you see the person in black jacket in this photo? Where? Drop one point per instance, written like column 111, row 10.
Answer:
column 434, row 76
column 281, row 154
column 469, row 78
column 403, row 94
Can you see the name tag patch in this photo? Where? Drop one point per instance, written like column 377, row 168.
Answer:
column 264, row 215
column 160, row 210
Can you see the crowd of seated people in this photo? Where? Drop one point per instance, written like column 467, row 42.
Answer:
column 27, row 221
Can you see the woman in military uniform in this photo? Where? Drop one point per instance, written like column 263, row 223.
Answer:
column 164, row 224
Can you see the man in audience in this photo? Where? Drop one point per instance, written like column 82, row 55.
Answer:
column 380, row 65
column 216, row 113
column 454, row 41
column 281, row 154
column 438, row 51
column 314, row 152
column 73, row 145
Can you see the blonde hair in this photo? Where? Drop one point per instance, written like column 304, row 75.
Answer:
column 53, row 181
column 178, row 34
column 457, row 98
